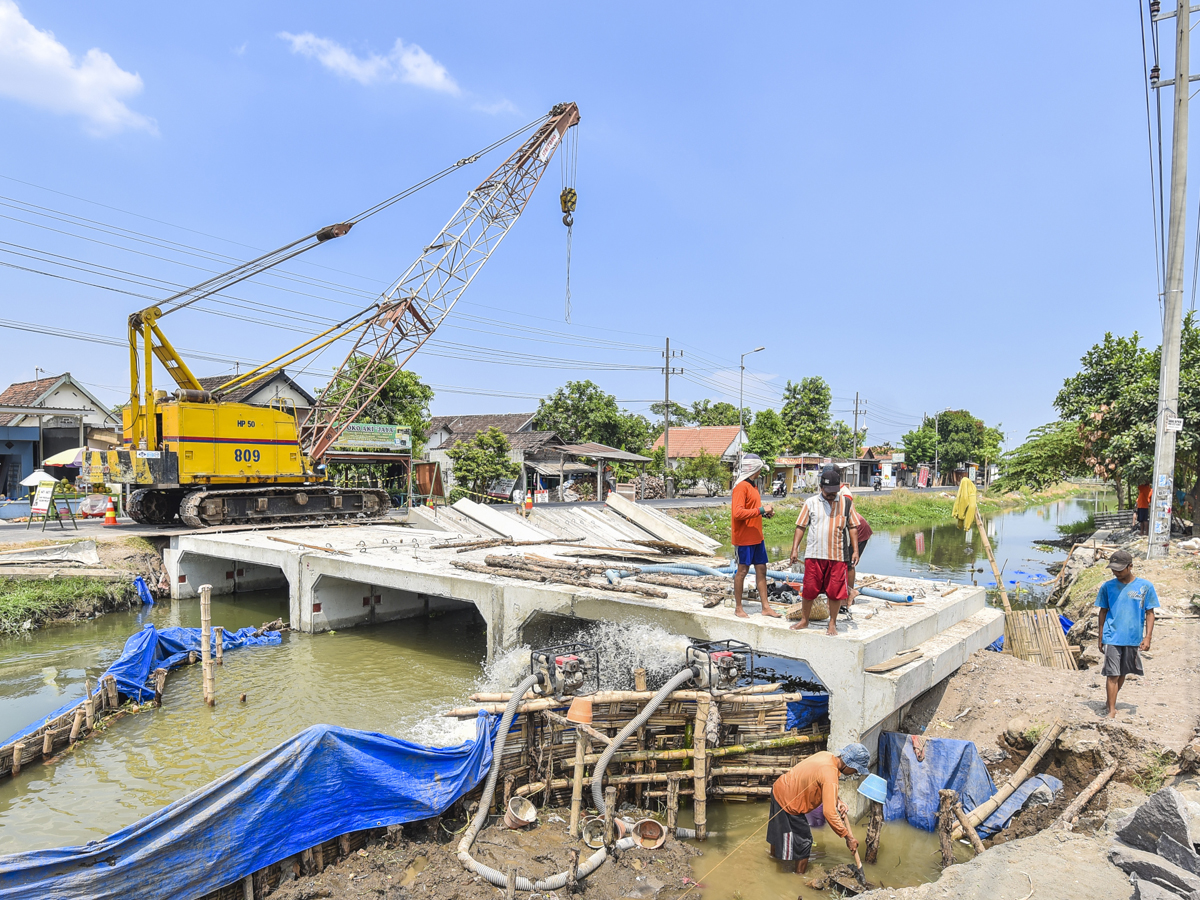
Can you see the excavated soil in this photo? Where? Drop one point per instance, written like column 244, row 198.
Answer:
column 420, row 860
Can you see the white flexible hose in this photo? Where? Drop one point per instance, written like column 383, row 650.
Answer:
column 682, row 676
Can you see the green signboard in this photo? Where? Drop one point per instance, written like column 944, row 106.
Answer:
column 363, row 436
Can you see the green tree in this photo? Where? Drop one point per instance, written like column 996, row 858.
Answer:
column 1051, row 453
column 482, row 460
column 707, row 413
column 959, row 438
column 706, row 470
column 842, row 440
column 580, row 412
column 767, row 436
column 404, row 400
column 806, row 415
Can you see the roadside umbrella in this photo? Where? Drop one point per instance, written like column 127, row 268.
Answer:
column 66, row 458
column 36, row 477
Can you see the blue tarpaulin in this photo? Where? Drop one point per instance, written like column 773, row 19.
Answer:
column 807, row 710
column 143, row 592
column 151, row 649
column 323, row 782
column 913, row 785
column 1004, row 813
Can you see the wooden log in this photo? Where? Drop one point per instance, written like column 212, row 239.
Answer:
column 945, row 824
column 573, row 879
column 319, row 857
column 47, row 742
column 248, row 888
column 682, row 583
column 510, row 879
column 560, row 577
column 77, row 725
column 581, row 747
column 968, row 828
column 1072, row 812
column 308, row 863
column 610, row 812
column 672, row 805
column 985, row 809
column 160, row 683
column 18, row 752
column 344, row 844
column 220, row 632
column 110, row 691
column 700, row 770
column 89, row 713
column 205, row 641
column 874, row 830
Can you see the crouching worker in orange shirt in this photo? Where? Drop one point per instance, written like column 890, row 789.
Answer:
column 811, row 783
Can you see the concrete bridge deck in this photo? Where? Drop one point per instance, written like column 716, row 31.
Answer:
column 349, row 576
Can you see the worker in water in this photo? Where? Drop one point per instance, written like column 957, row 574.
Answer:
column 832, row 547
column 746, row 518
column 1127, row 605
column 811, row 783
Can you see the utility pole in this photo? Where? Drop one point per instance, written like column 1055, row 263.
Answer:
column 854, row 450
column 667, row 373
column 1168, row 423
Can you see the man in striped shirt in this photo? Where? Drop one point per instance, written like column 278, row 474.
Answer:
column 827, row 518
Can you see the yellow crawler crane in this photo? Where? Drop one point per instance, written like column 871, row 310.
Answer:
column 211, row 461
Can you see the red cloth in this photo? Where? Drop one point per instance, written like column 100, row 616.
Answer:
column 824, row 576
column 746, row 519
column 1143, row 496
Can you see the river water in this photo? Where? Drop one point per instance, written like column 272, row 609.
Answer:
column 394, row 678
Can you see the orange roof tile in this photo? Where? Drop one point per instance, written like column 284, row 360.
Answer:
column 687, row 443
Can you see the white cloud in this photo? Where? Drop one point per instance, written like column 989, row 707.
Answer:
column 494, row 109
column 407, row 62
column 36, row 69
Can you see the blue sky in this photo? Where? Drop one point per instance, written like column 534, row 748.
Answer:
column 935, row 207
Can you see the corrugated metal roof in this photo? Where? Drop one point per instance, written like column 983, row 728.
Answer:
column 600, row 451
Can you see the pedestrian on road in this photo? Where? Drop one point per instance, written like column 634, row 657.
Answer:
column 832, row 547
column 1143, row 509
column 812, row 783
column 1127, row 605
column 746, row 520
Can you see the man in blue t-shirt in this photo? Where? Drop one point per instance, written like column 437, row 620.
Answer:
column 1127, row 607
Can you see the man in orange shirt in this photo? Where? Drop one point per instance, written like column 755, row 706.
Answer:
column 811, row 783
column 1143, row 509
column 746, row 517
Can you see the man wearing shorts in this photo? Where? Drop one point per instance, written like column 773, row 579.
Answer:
column 746, row 518
column 827, row 518
column 812, row 783
column 1127, row 607
column 1143, row 509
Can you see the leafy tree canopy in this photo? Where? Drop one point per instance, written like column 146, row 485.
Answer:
column 482, row 460
column 404, row 400
column 580, row 412
column 767, row 436
column 806, row 416
column 1050, row 454
column 952, row 438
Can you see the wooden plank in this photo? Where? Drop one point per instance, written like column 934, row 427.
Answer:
column 895, row 662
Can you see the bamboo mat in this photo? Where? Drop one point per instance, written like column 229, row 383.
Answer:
column 1036, row 636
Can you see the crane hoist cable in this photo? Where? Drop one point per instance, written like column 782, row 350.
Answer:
column 567, row 199
column 282, row 254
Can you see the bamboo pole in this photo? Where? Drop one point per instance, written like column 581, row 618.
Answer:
column 945, row 821
column 700, row 770
column 528, row 706
column 581, row 742
column 248, row 888
column 160, row 683
column 639, row 693
column 77, row 725
column 639, row 768
column 1071, row 813
column 874, row 831
column 672, row 805
column 968, row 829
column 220, row 632
column 110, row 689
column 610, row 812
column 718, row 771
column 18, row 752
column 987, row 545
column 205, row 639
column 89, row 713
column 983, row 810
column 47, row 742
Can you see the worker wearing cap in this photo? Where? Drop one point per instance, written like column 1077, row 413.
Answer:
column 1127, row 605
column 832, row 547
column 746, row 523
column 812, row 783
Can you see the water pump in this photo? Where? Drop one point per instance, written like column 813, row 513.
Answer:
column 565, row 670
column 722, row 665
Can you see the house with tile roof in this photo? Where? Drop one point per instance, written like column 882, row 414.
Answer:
column 263, row 393
column 722, row 441
column 524, row 443
column 26, row 438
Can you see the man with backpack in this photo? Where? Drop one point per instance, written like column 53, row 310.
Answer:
column 832, row 548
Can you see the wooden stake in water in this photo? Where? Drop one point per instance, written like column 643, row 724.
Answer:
column 987, row 545
column 205, row 642
column 220, row 644
column 77, row 725
column 18, row 751
column 700, row 768
column 581, row 742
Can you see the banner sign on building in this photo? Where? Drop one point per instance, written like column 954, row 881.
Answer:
column 363, row 436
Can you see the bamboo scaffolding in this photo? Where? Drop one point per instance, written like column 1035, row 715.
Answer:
column 528, row 706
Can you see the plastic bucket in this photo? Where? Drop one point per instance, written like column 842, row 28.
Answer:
column 874, row 788
column 649, row 834
column 591, row 830
column 519, row 813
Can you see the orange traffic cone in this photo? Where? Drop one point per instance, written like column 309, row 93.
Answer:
column 110, row 514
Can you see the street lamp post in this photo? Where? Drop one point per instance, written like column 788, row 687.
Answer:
column 741, row 391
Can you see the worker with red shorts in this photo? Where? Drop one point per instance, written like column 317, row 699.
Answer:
column 832, row 547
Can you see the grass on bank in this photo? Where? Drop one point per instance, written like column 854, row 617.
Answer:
column 893, row 509
column 37, row 602
column 1083, row 526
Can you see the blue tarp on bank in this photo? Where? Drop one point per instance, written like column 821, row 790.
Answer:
column 807, row 710
column 913, row 785
column 151, row 649
column 323, row 782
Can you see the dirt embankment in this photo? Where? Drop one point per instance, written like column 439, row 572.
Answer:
column 420, row 860
column 32, row 602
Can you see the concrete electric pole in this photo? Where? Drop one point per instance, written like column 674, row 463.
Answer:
column 1169, row 424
